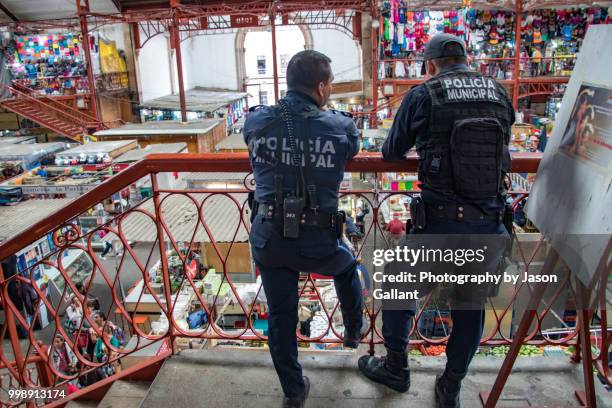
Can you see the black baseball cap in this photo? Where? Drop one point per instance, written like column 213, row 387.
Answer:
column 435, row 48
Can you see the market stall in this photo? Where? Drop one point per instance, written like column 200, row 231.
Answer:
column 100, row 154
column 373, row 139
column 29, row 156
column 201, row 103
column 201, row 136
column 142, row 188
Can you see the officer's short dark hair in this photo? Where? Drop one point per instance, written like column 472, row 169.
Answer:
column 453, row 48
column 307, row 69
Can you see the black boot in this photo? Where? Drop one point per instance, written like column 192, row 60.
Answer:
column 300, row 400
column 352, row 337
column 447, row 391
column 391, row 370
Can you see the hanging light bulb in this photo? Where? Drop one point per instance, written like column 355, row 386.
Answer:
column 375, row 24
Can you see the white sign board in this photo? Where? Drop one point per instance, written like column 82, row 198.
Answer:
column 570, row 202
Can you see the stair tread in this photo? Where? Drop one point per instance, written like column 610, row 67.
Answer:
column 82, row 404
column 125, row 394
column 37, row 114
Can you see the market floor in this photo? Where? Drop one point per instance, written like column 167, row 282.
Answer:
column 246, row 378
column 128, row 276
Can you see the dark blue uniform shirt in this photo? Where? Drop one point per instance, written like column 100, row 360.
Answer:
column 411, row 128
column 332, row 137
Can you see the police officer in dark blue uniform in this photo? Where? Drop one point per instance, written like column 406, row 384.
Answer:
column 460, row 122
column 298, row 150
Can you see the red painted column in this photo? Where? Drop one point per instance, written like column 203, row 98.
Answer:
column 374, row 39
column 176, row 38
column 82, row 11
column 274, row 66
column 517, row 53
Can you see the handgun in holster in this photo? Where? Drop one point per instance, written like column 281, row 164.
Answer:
column 508, row 220
column 417, row 213
column 339, row 220
column 253, row 205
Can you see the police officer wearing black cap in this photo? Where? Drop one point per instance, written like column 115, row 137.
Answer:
column 460, row 122
column 298, row 150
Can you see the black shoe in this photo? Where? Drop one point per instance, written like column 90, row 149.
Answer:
column 299, row 401
column 391, row 370
column 352, row 337
column 447, row 392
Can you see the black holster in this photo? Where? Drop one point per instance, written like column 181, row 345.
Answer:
column 417, row 213
column 253, row 205
column 339, row 220
column 509, row 219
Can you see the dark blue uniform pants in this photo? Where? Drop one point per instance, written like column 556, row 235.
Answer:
column 279, row 261
column 467, row 324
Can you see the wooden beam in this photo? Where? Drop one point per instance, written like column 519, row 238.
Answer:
column 8, row 13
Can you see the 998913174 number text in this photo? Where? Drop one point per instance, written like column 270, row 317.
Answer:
column 36, row 393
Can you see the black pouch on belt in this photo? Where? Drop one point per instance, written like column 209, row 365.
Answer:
column 293, row 207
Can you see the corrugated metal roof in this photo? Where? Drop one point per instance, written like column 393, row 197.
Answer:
column 17, row 218
column 234, row 141
column 180, row 214
column 162, row 127
column 196, row 100
column 48, row 9
column 99, row 147
column 14, row 151
column 18, row 139
column 137, row 154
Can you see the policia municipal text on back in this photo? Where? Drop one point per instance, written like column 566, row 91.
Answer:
column 460, row 123
column 298, row 150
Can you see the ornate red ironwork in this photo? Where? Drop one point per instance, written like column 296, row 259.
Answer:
column 200, row 220
column 67, row 234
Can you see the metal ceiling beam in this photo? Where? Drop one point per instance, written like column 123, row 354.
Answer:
column 8, row 13
column 117, row 4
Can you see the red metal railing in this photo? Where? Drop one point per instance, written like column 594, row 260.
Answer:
column 175, row 219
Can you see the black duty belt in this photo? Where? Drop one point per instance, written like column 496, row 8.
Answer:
column 460, row 212
column 310, row 218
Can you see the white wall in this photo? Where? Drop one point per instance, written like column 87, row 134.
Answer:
column 154, row 67
column 187, row 51
column 289, row 41
column 210, row 61
column 343, row 51
column 114, row 32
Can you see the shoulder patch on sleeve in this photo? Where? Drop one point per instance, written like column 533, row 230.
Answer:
column 343, row 113
column 256, row 107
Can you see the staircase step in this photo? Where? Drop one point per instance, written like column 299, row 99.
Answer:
column 125, row 394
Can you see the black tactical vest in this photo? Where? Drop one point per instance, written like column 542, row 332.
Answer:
column 466, row 153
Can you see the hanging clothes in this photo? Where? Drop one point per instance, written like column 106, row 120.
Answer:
column 400, row 72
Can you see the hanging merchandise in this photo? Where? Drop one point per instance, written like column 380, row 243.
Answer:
column 47, row 63
column 489, row 34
